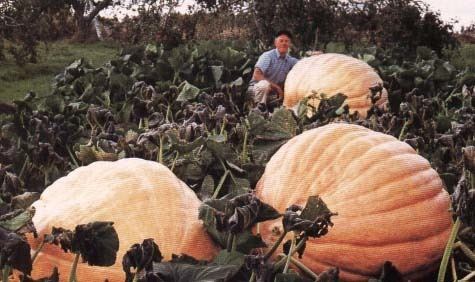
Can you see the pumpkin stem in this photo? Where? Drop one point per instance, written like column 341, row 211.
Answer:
column 466, row 250
column 284, row 257
column 289, row 256
column 174, row 161
column 304, row 268
column 244, row 146
column 72, row 275
column 448, row 251
column 253, row 277
column 37, row 251
column 234, row 246
column 136, row 277
column 220, row 184
column 71, row 155
column 223, row 125
column 23, row 168
column 275, row 246
column 454, row 271
column 229, row 242
column 469, row 276
column 403, row 130
column 5, row 273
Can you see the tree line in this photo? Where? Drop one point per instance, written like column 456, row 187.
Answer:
column 400, row 25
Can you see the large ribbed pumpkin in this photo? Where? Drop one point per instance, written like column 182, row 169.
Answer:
column 331, row 74
column 144, row 199
column 391, row 204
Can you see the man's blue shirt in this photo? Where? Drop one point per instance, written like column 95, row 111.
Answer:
column 274, row 66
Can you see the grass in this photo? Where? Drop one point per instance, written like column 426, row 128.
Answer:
column 464, row 57
column 16, row 81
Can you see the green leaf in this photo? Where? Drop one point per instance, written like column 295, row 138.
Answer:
column 17, row 219
column 207, row 187
column 239, row 186
column 187, row 92
column 229, row 258
column 54, row 103
column 217, row 72
column 285, row 120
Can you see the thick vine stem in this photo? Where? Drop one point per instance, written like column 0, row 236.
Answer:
column 289, row 256
column 275, row 246
column 5, row 273
column 304, row 268
column 284, row 256
column 72, row 275
column 468, row 277
column 37, row 251
column 448, row 251
column 466, row 250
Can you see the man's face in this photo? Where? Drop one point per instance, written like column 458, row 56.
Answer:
column 282, row 43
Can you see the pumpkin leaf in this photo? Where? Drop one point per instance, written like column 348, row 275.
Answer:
column 314, row 208
column 24, row 200
column 313, row 220
column 388, row 272
column 97, row 242
column 207, row 187
column 230, row 215
column 16, row 220
column 330, row 275
column 14, row 252
column 181, row 272
column 288, row 277
column 229, row 258
column 188, row 92
column 141, row 257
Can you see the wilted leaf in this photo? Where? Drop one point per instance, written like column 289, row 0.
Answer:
column 180, row 272
column 288, row 277
column 141, row 257
column 97, row 242
column 14, row 252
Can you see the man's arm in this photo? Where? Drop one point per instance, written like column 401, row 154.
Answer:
column 258, row 75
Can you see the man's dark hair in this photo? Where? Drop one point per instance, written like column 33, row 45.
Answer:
column 284, row 32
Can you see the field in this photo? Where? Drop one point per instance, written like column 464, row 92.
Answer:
column 154, row 163
column 16, row 81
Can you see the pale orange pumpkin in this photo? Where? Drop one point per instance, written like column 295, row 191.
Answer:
column 331, row 74
column 144, row 199
column 391, row 204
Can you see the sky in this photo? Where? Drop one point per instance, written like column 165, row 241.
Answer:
column 461, row 10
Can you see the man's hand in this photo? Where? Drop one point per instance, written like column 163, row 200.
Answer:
column 277, row 89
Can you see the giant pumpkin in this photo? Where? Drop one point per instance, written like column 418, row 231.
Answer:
column 391, row 204
column 331, row 74
column 144, row 199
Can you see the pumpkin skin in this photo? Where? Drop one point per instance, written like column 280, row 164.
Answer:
column 391, row 204
column 144, row 199
column 332, row 74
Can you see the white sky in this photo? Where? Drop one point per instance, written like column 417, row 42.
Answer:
column 461, row 10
